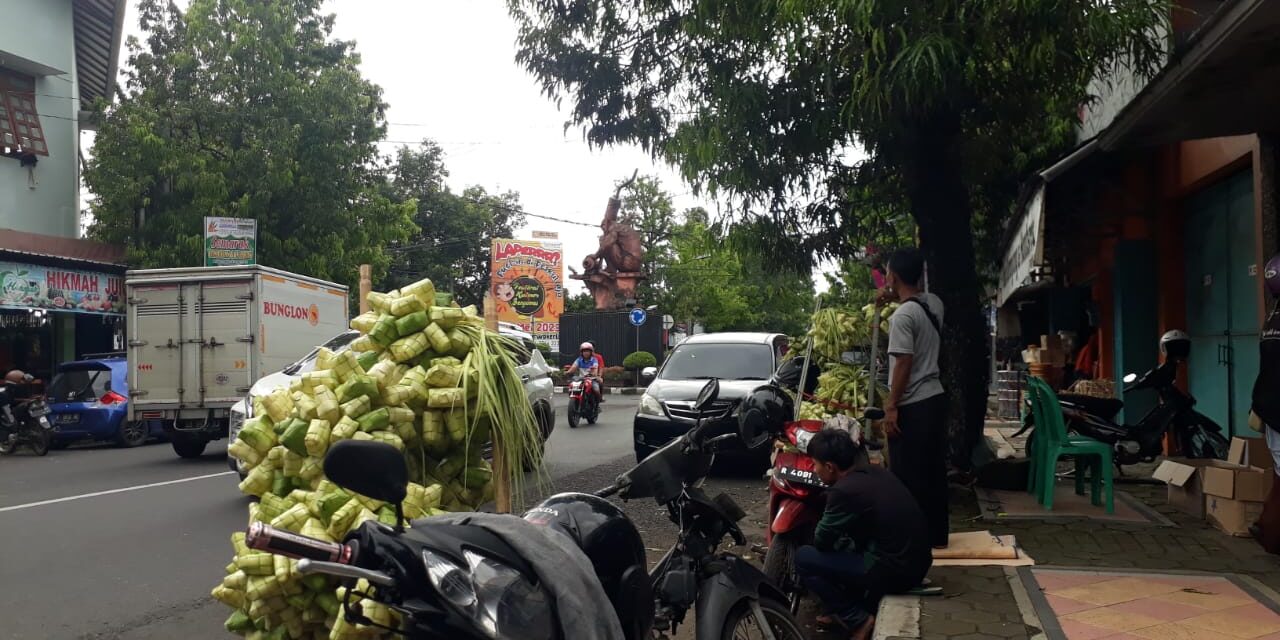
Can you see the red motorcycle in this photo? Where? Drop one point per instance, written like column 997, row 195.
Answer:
column 796, row 503
column 583, row 402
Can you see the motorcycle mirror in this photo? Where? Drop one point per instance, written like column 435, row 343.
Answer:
column 648, row 372
column 710, row 391
column 873, row 413
column 372, row 469
column 1129, row 378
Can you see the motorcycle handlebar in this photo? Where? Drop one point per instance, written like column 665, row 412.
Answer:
column 266, row 538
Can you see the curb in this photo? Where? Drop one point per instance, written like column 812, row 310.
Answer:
column 613, row 391
column 898, row 618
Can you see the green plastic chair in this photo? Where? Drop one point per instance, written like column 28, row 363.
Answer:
column 1053, row 443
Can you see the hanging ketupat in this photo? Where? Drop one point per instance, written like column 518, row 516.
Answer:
column 427, row 379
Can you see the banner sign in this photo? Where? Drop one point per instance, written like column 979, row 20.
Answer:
column 230, row 241
column 1025, row 251
column 28, row 286
column 527, row 281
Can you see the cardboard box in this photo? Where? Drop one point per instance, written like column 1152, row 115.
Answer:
column 1184, row 486
column 1051, row 342
column 1251, row 452
column 1232, row 517
column 1235, row 481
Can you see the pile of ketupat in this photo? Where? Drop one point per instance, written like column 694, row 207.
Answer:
column 842, row 387
column 425, row 378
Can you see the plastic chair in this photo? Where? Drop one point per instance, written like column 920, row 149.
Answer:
column 1053, row 443
column 1036, row 456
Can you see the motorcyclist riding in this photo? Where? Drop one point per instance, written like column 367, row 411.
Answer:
column 589, row 365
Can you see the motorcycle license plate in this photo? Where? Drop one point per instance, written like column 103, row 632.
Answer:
column 66, row 418
column 803, row 476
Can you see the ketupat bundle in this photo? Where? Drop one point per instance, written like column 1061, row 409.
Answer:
column 364, row 392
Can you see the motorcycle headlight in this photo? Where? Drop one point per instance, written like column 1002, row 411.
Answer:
column 504, row 604
column 649, row 406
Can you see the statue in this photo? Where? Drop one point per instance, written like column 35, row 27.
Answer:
column 613, row 271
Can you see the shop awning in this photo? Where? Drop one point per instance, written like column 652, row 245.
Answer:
column 86, row 251
column 1222, row 84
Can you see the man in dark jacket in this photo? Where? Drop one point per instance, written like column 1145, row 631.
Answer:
column 872, row 539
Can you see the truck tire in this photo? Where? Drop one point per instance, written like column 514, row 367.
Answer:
column 189, row 447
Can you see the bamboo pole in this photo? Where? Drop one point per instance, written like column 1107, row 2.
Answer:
column 366, row 285
column 502, row 482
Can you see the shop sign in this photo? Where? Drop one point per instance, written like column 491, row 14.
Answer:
column 1026, row 250
column 27, row 286
column 230, row 241
column 527, row 281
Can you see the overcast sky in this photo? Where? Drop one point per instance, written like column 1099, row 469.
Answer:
column 448, row 72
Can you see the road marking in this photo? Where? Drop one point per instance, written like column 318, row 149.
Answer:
column 111, row 491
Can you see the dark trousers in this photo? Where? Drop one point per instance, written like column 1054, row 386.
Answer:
column 840, row 580
column 918, row 456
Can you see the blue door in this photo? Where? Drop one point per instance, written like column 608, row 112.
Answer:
column 1222, row 299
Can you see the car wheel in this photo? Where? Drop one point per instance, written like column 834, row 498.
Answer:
column 132, row 433
column 188, row 448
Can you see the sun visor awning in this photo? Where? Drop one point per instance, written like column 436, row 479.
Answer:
column 1223, row 84
column 1025, row 254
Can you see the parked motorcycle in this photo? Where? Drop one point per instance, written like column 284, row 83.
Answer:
column 1198, row 436
column 583, row 403
column 460, row 581
column 24, row 418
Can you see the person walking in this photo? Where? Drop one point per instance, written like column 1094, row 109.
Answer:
column 916, row 409
column 1265, row 412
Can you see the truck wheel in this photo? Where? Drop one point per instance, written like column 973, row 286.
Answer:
column 188, row 448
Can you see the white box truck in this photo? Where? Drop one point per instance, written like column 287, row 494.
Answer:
column 198, row 338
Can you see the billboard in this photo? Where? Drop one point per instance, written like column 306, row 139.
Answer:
column 230, row 241
column 26, row 286
column 526, row 278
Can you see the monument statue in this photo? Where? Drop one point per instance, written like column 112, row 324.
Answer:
column 613, row 271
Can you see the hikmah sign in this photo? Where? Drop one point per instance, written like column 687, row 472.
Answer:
column 230, row 241
column 26, row 286
column 1026, row 249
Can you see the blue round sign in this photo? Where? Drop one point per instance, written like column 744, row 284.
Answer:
column 638, row 316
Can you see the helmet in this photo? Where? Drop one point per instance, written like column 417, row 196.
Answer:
column 1175, row 344
column 16, row 377
column 1271, row 275
column 585, row 346
column 788, row 375
column 766, row 410
column 612, row 543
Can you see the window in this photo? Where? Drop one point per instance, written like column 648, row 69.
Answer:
column 80, row 385
column 20, row 130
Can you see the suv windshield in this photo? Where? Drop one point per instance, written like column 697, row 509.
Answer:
column 724, row 361
column 308, row 362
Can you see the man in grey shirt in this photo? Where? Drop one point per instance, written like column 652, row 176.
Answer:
column 916, row 410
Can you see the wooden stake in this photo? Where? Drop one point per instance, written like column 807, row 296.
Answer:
column 366, row 285
column 502, row 482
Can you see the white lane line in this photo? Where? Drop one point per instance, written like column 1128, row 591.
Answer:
column 111, row 491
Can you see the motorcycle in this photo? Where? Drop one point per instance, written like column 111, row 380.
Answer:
column 23, row 419
column 1198, row 435
column 461, row 581
column 583, row 402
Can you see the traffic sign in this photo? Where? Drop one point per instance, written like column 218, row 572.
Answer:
column 638, row 316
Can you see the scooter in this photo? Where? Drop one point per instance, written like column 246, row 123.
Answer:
column 583, row 402
column 462, row 581
column 1198, row 436
column 23, row 419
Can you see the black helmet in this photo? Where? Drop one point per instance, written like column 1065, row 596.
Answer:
column 766, row 410
column 1175, row 345
column 612, row 543
column 788, row 375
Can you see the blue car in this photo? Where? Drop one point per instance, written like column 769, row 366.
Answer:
column 89, row 400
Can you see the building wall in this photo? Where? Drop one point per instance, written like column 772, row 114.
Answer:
column 43, row 32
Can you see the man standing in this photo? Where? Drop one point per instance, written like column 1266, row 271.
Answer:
column 871, row 540
column 916, row 410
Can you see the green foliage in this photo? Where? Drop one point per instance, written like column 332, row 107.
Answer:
column 455, row 231
column 580, row 302
column 648, row 207
column 543, row 347
column 638, row 360
column 245, row 109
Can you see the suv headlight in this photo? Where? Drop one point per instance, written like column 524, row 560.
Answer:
column 503, row 603
column 649, row 406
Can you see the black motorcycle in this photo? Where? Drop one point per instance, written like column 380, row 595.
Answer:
column 461, row 581
column 24, row 419
column 1198, row 435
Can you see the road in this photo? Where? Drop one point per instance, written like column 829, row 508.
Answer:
column 127, row 543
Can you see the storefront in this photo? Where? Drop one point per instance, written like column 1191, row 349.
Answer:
column 54, row 309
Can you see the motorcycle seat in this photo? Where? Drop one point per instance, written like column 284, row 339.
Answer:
column 1106, row 408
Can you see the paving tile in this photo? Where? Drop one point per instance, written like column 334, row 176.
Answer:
column 1116, row 591
column 1056, row 580
column 1206, row 600
column 1113, row 620
column 1178, row 631
column 1081, row 631
column 1161, row 610
column 1065, row 606
column 1248, row 621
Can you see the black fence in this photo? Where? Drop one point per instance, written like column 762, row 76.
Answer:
column 612, row 334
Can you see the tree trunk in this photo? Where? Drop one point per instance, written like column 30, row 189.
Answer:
column 942, row 210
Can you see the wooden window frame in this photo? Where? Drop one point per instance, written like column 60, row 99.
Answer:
column 20, row 128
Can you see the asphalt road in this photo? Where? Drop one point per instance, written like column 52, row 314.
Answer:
column 127, row 543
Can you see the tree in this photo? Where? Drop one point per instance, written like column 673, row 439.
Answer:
column 455, row 232
column 954, row 101
column 250, row 110
column 580, row 302
column 648, row 208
